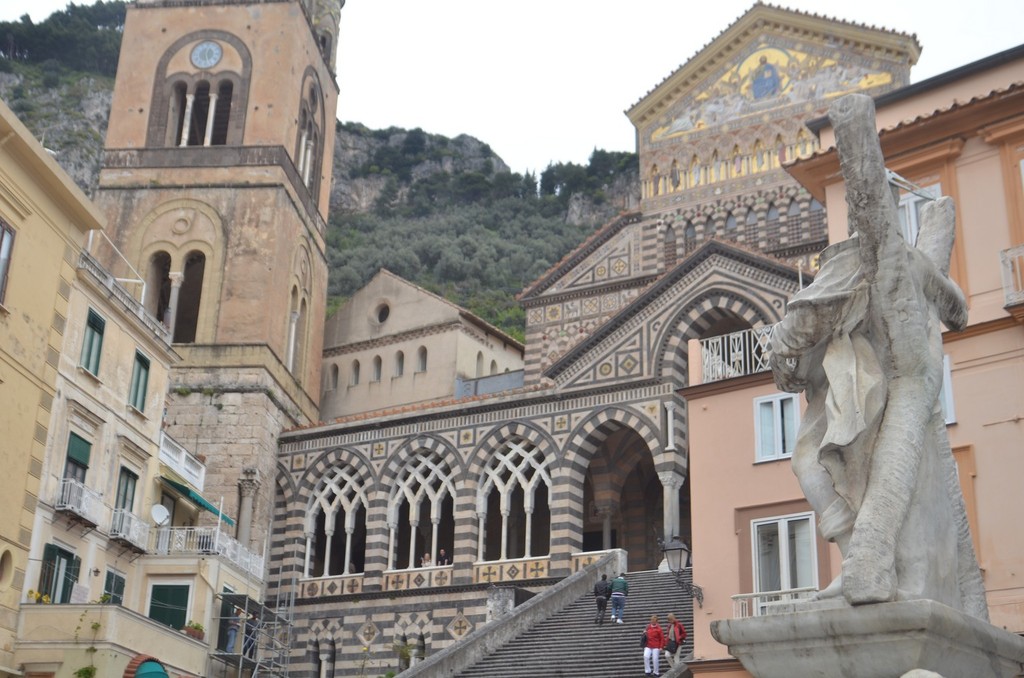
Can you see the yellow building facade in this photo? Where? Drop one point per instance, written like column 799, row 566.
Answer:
column 43, row 221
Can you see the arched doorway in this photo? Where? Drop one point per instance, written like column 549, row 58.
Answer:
column 623, row 498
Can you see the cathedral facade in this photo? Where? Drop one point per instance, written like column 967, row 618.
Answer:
column 525, row 486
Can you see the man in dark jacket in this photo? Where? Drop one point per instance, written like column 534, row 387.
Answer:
column 602, row 592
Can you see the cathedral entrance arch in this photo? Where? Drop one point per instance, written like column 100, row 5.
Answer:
column 622, row 495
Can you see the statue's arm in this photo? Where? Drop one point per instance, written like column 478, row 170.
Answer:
column 872, row 211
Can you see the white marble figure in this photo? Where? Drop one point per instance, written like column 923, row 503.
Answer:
column 864, row 341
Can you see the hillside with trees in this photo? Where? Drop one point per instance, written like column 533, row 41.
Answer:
column 444, row 213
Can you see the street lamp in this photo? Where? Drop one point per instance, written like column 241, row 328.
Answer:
column 677, row 555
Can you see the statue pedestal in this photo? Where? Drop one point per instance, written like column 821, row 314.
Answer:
column 831, row 639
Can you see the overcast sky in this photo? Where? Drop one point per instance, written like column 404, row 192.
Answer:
column 548, row 80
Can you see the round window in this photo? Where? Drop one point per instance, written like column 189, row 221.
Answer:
column 383, row 311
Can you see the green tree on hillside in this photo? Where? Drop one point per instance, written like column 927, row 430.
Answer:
column 79, row 38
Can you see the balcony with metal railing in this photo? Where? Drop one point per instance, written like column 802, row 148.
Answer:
column 174, row 541
column 1012, row 264
column 736, row 354
column 80, row 503
column 129, row 529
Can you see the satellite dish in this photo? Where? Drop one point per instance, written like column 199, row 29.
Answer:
column 159, row 514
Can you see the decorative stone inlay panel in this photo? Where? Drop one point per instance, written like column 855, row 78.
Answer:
column 331, row 586
column 422, row 578
column 459, row 626
column 511, row 570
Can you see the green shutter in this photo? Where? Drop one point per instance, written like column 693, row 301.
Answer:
column 49, row 567
column 70, row 579
column 140, row 379
column 78, row 449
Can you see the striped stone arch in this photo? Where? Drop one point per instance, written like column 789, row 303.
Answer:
column 419, row 474
column 417, row 445
column 315, row 472
column 592, row 432
column 695, row 316
column 480, row 456
column 513, row 455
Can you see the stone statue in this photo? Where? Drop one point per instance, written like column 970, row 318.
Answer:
column 864, row 342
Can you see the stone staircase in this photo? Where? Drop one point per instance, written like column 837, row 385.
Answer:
column 571, row 644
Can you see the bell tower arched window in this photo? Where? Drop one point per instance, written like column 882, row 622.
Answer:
column 204, row 102
column 309, row 141
column 189, row 298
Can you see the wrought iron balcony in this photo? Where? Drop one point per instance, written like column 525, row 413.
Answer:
column 736, row 354
column 129, row 529
column 205, row 541
column 79, row 502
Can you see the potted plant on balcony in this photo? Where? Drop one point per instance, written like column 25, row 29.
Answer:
column 195, row 630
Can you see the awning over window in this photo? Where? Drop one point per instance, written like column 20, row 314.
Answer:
column 196, row 498
column 151, row 669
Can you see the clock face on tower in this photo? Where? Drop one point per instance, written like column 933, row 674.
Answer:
column 206, row 54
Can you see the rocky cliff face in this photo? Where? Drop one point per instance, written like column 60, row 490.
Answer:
column 70, row 118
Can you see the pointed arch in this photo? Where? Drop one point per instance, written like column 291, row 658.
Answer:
column 696, row 315
column 337, row 505
column 514, row 467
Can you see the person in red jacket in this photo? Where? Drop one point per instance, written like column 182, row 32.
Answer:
column 654, row 647
column 674, row 639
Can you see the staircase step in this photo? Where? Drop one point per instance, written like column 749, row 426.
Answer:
column 570, row 643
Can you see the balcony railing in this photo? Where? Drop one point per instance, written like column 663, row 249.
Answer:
column 768, row 602
column 736, row 354
column 129, row 528
column 182, row 461
column 75, row 498
column 171, row 541
column 1012, row 263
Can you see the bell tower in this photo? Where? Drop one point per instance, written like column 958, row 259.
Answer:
column 215, row 181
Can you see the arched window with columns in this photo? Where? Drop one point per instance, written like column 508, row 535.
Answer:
column 421, row 511
column 336, row 525
column 309, row 140
column 512, row 505
column 202, row 92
